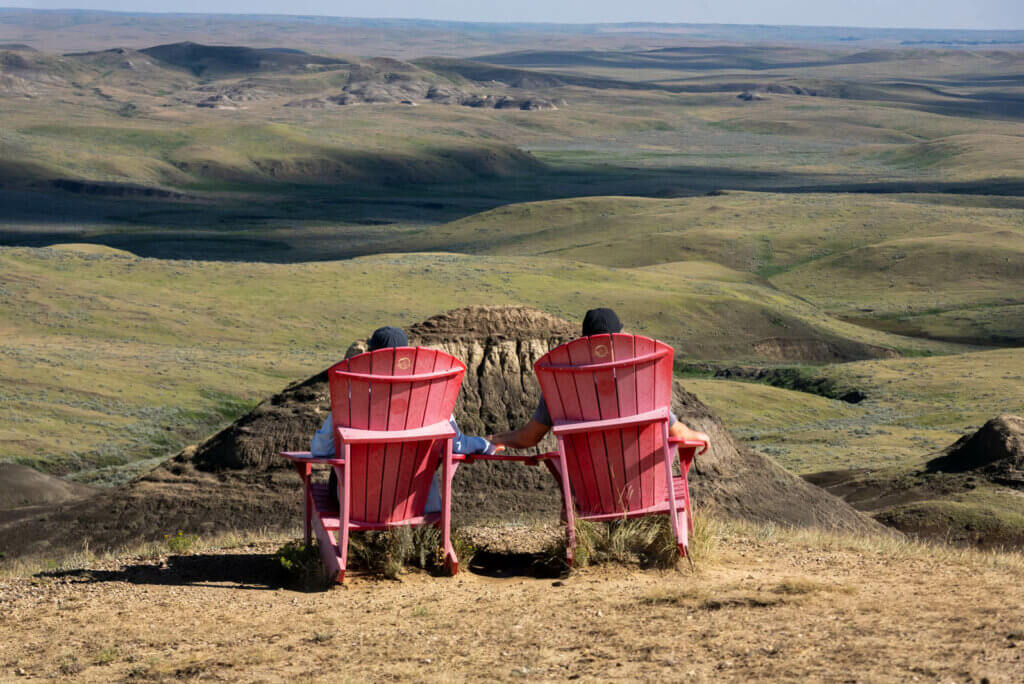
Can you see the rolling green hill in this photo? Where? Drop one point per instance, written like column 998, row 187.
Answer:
column 941, row 270
column 914, row 408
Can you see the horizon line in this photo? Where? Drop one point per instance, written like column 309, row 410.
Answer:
column 511, row 23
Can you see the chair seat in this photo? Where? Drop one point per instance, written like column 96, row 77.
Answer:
column 679, row 488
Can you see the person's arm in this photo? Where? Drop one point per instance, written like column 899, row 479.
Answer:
column 681, row 431
column 470, row 444
column 523, row 438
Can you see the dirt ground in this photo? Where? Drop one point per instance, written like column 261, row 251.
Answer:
column 761, row 605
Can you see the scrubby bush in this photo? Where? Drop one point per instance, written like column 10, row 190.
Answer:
column 300, row 565
column 180, row 542
column 386, row 553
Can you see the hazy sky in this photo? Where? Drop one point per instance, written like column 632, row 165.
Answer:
column 962, row 14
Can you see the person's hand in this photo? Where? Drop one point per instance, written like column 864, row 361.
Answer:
column 704, row 438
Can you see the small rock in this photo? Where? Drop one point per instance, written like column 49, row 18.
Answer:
column 21, row 672
column 557, row 583
column 426, row 661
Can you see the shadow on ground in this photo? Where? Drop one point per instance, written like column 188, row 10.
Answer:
column 260, row 571
column 236, row 571
column 500, row 565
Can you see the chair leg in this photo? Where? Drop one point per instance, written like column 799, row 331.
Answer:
column 451, row 561
column 307, row 497
column 343, row 515
column 680, row 528
column 331, row 553
column 568, row 514
column 683, row 540
column 342, row 551
column 570, row 536
column 686, row 501
column 309, row 519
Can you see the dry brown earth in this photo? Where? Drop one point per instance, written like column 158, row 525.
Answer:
column 765, row 605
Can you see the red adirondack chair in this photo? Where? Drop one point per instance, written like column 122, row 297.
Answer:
column 609, row 398
column 390, row 409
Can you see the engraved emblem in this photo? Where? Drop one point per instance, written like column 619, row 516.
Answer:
column 601, row 351
column 404, row 363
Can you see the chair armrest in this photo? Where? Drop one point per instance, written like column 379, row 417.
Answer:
column 612, row 423
column 307, row 457
column 440, row 430
column 680, row 442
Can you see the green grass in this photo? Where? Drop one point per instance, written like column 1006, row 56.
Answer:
column 915, row 407
column 863, row 256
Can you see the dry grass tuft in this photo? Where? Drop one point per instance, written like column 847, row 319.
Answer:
column 893, row 545
column 391, row 552
column 647, row 542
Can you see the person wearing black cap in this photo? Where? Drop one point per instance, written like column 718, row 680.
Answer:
column 323, row 440
column 596, row 322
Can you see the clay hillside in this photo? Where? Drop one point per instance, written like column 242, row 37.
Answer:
column 235, row 480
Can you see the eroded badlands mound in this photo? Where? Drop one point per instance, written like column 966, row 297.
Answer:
column 236, row 480
column 969, row 494
column 995, row 450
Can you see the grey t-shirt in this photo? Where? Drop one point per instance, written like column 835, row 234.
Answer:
column 543, row 416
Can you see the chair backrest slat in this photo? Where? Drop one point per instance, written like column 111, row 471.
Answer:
column 416, row 471
column 394, row 454
column 358, row 393
column 621, row 469
column 651, row 478
column 381, row 363
column 390, row 481
column 625, row 390
column 559, row 390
